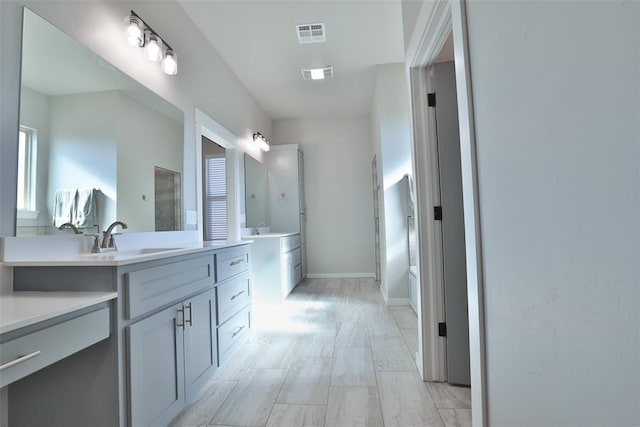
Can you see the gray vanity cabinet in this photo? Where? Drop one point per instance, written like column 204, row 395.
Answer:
column 200, row 347
column 165, row 330
column 156, row 368
column 170, row 355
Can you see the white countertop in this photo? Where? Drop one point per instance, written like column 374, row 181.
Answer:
column 20, row 309
column 118, row 258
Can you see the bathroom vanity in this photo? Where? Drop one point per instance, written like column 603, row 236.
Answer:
column 275, row 266
column 174, row 316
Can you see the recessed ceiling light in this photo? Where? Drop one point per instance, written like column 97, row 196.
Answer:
column 317, row 73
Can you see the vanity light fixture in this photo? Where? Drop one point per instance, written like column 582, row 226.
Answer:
column 155, row 49
column 262, row 142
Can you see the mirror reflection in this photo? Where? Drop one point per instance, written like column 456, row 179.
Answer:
column 95, row 145
column 255, row 182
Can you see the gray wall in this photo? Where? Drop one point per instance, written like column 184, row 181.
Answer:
column 338, row 184
column 556, row 91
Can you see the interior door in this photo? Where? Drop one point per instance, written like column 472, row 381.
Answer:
column 453, row 243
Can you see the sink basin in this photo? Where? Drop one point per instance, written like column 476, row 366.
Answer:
column 155, row 250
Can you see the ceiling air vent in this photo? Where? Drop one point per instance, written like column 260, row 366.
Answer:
column 317, row 73
column 311, row 33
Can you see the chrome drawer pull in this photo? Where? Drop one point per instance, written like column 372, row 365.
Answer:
column 181, row 325
column 21, row 359
column 237, row 331
column 236, row 262
column 190, row 320
column 237, row 295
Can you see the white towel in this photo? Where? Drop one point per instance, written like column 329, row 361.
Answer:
column 63, row 206
column 84, row 212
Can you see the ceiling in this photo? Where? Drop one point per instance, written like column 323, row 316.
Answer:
column 257, row 39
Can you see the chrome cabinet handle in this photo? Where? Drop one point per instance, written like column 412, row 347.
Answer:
column 237, row 295
column 236, row 262
column 19, row 359
column 181, row 310
column 190, row 321
column 237, row 331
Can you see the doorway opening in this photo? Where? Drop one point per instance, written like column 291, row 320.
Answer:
column 210, row 132
column 214, row 191
column 168, row 199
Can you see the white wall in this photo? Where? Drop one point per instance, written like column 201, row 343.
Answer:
column 338, row 187
column 83, row 147
column 146, row 139
column 392, row 125
column 556, row 91
column 410, row 13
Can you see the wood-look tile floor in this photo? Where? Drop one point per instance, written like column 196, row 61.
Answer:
column 332, row 355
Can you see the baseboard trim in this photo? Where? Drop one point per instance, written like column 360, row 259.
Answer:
column 398, row 301
column 341, row 275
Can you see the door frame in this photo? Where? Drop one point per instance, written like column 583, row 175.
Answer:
column 435, row 21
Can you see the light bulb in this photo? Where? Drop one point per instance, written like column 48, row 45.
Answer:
column 170, row 63
column 317, row 74
column 135, row 35
column 153, row 48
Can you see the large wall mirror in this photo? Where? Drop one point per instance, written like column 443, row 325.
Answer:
column 95, row 145
column 256, row 192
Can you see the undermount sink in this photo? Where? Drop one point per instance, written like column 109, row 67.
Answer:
column 155, row 250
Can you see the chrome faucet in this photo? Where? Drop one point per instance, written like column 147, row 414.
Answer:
column 256, row 229
column 107, row 237
column 71, row 226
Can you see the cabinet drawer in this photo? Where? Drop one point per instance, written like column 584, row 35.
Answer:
column 29, row 353
column 288, row 243
column 230, row 262
column 157, row 286
column 231, row 296
column 232, row 334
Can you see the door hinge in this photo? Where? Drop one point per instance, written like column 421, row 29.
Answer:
column 437, row 213
column 431, row 99
column 442, row 329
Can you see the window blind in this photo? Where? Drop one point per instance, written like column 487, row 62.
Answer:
column 215, row 198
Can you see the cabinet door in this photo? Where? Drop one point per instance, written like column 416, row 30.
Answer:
column 156, row 368
column 200, row 348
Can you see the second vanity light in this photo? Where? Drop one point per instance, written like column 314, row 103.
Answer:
column 155, row 49
column 262, row 142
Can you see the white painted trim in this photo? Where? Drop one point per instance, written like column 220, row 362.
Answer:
column 341, row 275
column 206, row 126
column 471, row 201
column 435, row 21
